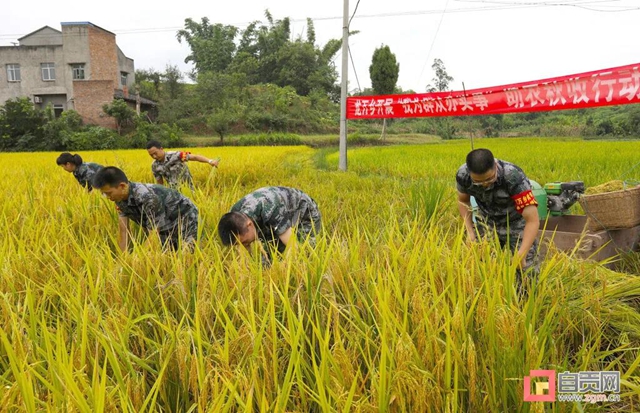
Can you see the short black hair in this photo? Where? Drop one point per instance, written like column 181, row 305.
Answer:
column 480, row 161
column 66, row 157
column 230, row 226
column 109, row 175
column 154, row 144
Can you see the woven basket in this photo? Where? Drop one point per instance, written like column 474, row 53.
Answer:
column 612, row 210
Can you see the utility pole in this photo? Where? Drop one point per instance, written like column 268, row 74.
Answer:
column 342, row 164
column 138, row 99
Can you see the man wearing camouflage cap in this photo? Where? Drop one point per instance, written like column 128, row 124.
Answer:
column 153, row 207
column 170, row 168
column 270, row 214
column 506, row 206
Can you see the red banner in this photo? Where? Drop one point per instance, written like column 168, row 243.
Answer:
column 615, row 86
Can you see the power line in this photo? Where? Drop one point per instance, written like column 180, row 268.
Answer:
column 582, row 4
column 497, row 6
column 353, row 65
column 354, row 13
column 354, row 70
column 433, row 42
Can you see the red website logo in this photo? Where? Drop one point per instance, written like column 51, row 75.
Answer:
column 541, row 386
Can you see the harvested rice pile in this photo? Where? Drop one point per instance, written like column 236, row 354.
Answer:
column 606, row 187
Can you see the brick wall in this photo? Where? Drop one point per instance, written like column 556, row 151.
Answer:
column 91, row 94
column 104, row 55
column 89, row 97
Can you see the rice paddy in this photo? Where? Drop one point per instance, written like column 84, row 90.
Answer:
column 392, row 311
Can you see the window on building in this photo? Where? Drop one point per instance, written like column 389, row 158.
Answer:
column 48, row 71
column 78, row 71
column 13, row 73
column 123, row 78
column 57, row 110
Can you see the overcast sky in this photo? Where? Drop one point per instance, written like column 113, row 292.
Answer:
column 482, row 43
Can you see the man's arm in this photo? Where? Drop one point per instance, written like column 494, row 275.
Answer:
column 286, row 236
column 464, row 207
column 123, row 233
column 200, row 158
column 157, row 176
column 531, row 226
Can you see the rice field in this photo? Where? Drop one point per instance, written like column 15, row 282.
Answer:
column 391, row 312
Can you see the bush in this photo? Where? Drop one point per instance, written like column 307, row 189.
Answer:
column 425, row 126
column 121, row 112
column 446, row 129
column 21, row 126
column 93, row 138
column 604, row 127
column 358, row 139
column 170, row 136
column 57, row 132
column 270, row 139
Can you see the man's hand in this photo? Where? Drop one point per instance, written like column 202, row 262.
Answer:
column 203, row 159
column 470, row 240
column 464, row 207
column 519, row 259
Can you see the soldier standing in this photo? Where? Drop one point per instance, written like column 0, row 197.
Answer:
column 269, row 214
column 506, row 204
column 82, row 171
column 153, row 207
column 170, row 168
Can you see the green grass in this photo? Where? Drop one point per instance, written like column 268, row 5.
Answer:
column 320, row 141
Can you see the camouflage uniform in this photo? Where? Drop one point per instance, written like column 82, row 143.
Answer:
column 498, row 209
column 173, row 169
column 84, row 173
column 275, row 209
column 155, row 207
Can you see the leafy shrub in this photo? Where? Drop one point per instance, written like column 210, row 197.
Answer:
column 169, row 135
column 21, row 126
column 93, row 138
column 270, row 139
column 121, row 112
column 358, row 139
column 57, row 132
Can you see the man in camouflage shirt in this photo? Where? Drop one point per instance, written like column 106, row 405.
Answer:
column 505, row 202
column 171, row 168
column 153, row 207
column 269, row 214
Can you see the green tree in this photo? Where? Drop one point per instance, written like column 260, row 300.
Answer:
column 217, row 101
column 57, row 131
column 223, row 119
column 149, row 83
column 383, row 71
column 265, row 53
column 441, row 80
column 212, row 45
column 21, row 126
column 121, row 112
column 634, row 120
column 172, row 82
